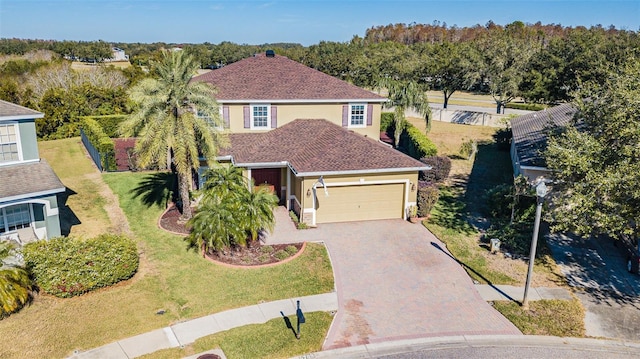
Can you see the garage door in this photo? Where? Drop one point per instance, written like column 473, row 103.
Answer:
column 359, row 203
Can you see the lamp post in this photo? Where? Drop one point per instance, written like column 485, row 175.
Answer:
column 541, row 191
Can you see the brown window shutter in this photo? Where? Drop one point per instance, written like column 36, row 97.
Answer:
column 369, row 114
column 345, row 115
column 225, row 116
column 247, row 117
column 274, row 117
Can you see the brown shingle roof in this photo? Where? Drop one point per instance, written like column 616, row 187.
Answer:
column 8, row 109
column 27, row 180
column 279, row 78
column 530, row 132
column 318, row 146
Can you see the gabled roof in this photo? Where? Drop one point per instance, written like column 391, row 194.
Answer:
column 316, row 147
column 11, row 111
column 530, row 132
column 25, row 180
column 263, row 78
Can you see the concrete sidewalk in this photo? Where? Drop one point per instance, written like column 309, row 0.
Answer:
column 189, row 331
column 509, row 292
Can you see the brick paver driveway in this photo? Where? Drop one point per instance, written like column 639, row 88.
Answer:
column 394, row 282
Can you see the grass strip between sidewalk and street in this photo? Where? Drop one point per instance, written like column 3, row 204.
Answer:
column 270, row 340
column 561, row 318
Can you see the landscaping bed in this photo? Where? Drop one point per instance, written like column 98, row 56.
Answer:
column 257, row 254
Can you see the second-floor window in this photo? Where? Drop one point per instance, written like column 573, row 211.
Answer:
column 260, row 116
column 9, row 151
column 357, row 115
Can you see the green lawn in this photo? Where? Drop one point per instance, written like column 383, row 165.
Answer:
column 562, row 318
column 271, row 340
column 182, row 283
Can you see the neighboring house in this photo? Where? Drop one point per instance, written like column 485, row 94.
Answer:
column 28, row 186
column 313, row 139
column 530, row 139
column 118, row 55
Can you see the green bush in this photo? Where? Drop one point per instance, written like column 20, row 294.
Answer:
column 499, row 200
column 291, row 250
column 468, row 149
column 386, row 123
column 109, row 123
column 427, row 199
column 266, row 249
column 103, row 143
column 416, row 144
column 67, row 267
column 526, row 106
column 503, row 138
column 440, row 168
column 281, row 255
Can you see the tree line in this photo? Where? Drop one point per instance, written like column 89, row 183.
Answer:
column 542, row 64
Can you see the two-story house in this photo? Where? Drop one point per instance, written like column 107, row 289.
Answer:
column 314, row 139
column 28, row 186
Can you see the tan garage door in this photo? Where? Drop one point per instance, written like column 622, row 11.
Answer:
column 359, row 203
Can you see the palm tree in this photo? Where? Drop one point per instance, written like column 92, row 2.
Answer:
column 402, row 96
column 175, row 120
column 15, row 284
column 229, row 213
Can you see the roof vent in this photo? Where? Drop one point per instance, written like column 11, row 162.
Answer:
column 270, row 53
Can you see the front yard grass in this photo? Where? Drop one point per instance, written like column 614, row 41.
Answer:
column 561, row 318
column 270, row 340
column 181, row 283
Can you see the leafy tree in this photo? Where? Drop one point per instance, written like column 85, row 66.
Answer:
column 229, row 212
column 15, row 284
column 596, row 161
column 405, row 95
column 167, row 122
column 450, row 67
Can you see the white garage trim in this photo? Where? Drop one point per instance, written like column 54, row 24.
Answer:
column 362, row 182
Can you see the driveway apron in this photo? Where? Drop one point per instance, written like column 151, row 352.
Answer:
column 395, row 280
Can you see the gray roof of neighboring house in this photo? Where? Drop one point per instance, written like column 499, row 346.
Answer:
column 530, row 132
column 263, row 78
column 31, row 179
column 11, row 111
column 313, row 146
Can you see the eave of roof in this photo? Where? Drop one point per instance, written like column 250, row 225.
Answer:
column 10, row 111
column 317, row 147
column 530, row 132
column 24, row 180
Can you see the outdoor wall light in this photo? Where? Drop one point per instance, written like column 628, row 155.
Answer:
column 413, row 187
column 309, row 192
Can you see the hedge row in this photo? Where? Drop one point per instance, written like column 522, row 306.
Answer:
column 101, row 141
column 109, row 123
column 416, row 144
column 67, row 267
column 526, row 106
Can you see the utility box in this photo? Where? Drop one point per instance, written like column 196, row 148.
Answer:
column 494, row 245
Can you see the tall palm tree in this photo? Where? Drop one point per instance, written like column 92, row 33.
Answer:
column 15, row 284
column 175, row 120
column 402, row 96
column 229, row 213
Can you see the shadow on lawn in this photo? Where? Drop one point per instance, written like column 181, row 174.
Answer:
column 157, row 189
column 67, row 217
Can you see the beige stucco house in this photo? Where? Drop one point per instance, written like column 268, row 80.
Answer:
column 314, row 138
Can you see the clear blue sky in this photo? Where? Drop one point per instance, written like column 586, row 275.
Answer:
column 305, row 22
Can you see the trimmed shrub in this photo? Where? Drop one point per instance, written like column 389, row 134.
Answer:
column 281, row 255
column 416, row 144
column 427, row 198
column 109, row 123
column 291, row 250
column 67, row 267
column 441, row 167
column 266, row 249
column 503, row 138
column 526, row 106
column 103, row 143
column 499, row 201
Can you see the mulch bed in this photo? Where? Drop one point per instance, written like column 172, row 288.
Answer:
column 253, row 254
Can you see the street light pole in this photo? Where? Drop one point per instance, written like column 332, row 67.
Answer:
column 541, row 191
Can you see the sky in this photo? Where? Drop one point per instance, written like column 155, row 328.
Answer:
column 305, row 22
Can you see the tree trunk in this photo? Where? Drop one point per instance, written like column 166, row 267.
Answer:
column 183, row 188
